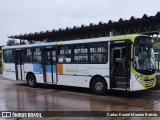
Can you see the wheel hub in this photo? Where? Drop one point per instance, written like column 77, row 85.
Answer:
column 31, row 81
column 99, row 86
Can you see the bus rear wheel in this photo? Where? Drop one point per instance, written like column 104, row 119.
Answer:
column 31, row 80
column 99, row 86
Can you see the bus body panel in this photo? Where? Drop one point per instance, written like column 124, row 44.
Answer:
column 50, row 74
column 39, row 78
column 80, row 74
column 29, row 68
column 9, row 71
column 141, row 82
column 38, row 71
column 70, row 73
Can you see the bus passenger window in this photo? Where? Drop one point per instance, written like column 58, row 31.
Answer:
column 28, row 55
column 37, row 55
column 54, row 56
column 81, row 53
column 9, row 56
column 98, row 53
column 64, row 54
column 95, row 59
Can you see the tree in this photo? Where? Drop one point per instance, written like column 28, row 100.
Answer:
column 14, row 42
column 157, row 44
column 11, row 42
column 22, row 43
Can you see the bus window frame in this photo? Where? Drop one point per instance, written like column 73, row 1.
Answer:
column 145, row 72
column 103, row 53
column 58, row 53
column 33, row 60
column 87, row 62
column 31, row 55
column 13, row 55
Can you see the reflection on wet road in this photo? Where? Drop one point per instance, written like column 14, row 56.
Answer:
column 17, row 96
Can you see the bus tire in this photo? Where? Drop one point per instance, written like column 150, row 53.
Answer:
column 99, row 86
column 31, row 80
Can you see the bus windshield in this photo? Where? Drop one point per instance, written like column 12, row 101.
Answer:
column 144, row 54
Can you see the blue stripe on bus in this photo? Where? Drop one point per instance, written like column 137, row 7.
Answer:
column 48, row 68
column 38, row 68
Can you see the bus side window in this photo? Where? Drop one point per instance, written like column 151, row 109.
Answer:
column 37, row 55
column 64, row 54
column 28, row 55
column 95, row 59
column 80, row 53
column 9, row 56
column 98, row 53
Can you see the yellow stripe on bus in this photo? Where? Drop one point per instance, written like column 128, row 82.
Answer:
column 60, row 68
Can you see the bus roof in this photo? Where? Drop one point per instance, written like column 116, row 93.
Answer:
column 60, row 43
column 132, row 36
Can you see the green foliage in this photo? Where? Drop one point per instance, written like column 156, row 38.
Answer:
column 14, row 42
column 22, row 43
column 11, row 42
column 157, row 44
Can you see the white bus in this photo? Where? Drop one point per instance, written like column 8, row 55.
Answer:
column 107, row 63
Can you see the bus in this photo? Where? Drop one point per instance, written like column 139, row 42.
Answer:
column 123, row 62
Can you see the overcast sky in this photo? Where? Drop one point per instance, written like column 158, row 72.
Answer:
column 26, row 16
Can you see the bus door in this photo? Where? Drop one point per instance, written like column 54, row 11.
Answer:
column 120, row 64
column 19, row 64
column 49, row 65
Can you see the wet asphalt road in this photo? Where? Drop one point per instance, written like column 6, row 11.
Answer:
column 17, row 96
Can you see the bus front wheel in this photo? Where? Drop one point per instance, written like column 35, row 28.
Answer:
column 99, row 86
column 31, row 80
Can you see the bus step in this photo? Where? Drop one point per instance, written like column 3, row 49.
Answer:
column 50, row 83
column 120, row 79
column 123, row 77
column 123, row 89
column 121, row 84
